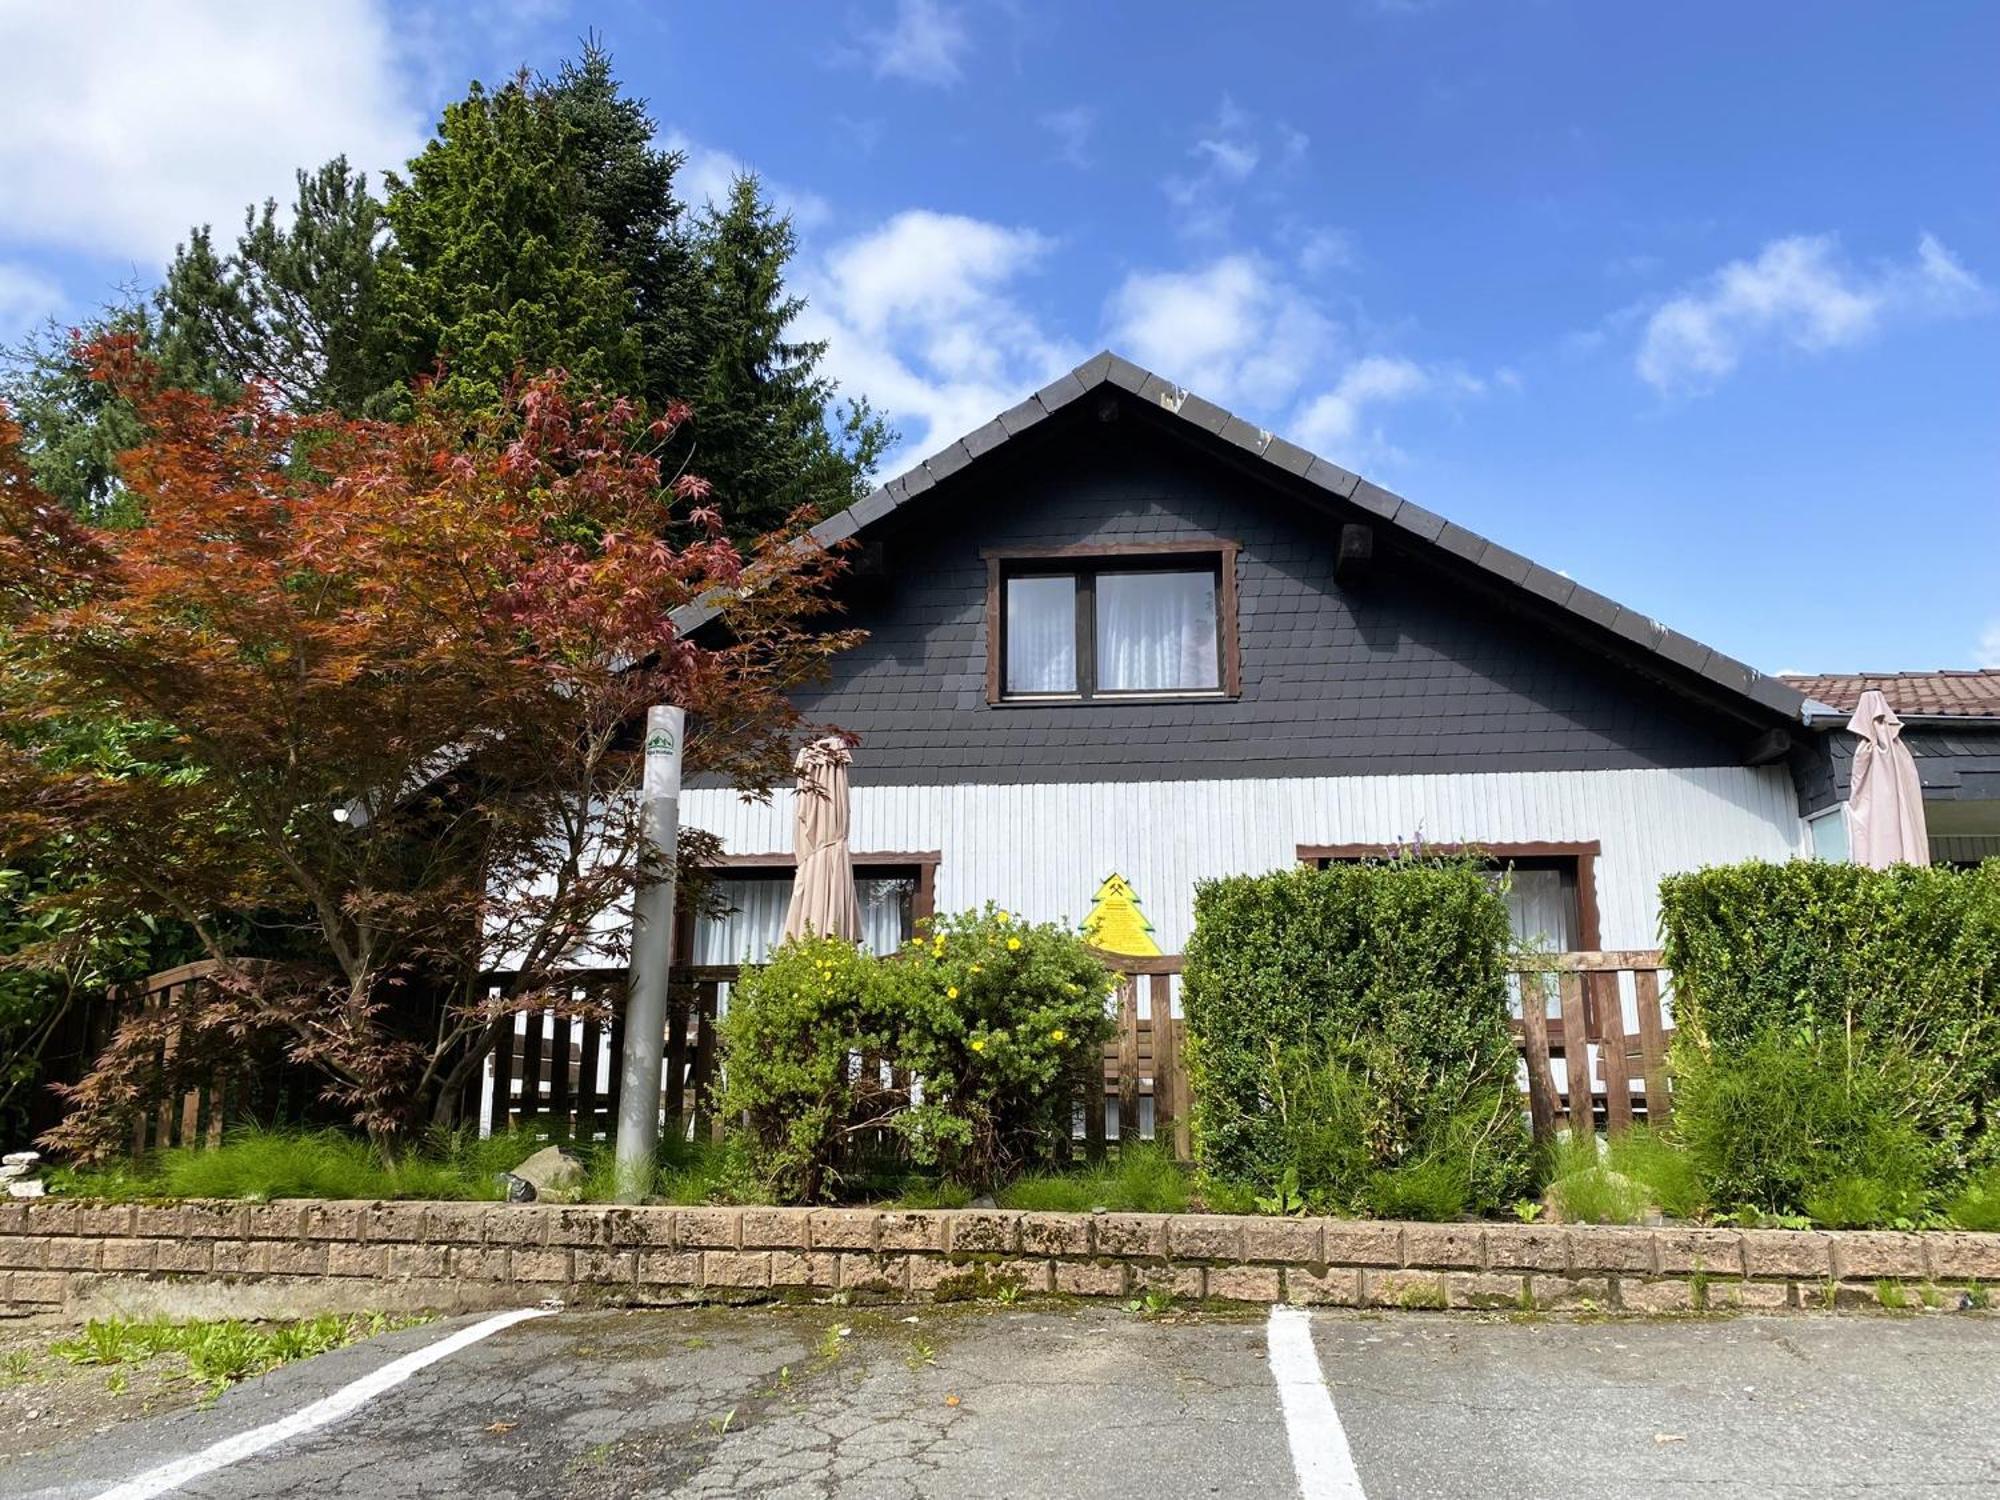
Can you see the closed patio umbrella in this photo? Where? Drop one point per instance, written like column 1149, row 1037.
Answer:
column 1885, row 809
column 823, row 899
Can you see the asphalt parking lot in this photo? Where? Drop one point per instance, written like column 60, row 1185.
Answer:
column 1090, row 1400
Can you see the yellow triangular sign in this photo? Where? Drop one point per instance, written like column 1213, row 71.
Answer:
column 1116, row 924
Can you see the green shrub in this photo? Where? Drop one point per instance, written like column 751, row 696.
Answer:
column 1908, row 957
column 1834, row 1127
column 796, row 1029
column 1138, row 1179
column 1660, row 1162
column 1003, row 1021
column 1977, row 1204
column 1350, row 1025
column 1586, row 1188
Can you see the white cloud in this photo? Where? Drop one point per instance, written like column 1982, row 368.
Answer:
column 1071, row 129
column 26, row 298
column 1799, row 292
column 1233, row 329
column 1989, row 646
column 922, row 315
column 1228, row 153
column 707, row 173
column 125, row 123
column 925, row 44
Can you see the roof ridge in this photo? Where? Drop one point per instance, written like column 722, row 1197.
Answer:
column 1109, row 368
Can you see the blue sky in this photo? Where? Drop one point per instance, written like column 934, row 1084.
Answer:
column 1698, row 303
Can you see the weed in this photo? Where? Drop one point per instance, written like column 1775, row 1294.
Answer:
column 217, row 1354
column 17, row 1365
column 1007, row 1293
column 1154, row 1302
column 117, row 1382
column 719, row 1426
column 1139, row 1179
column 922, row 1352
column 1892, row 1295
column 1527, row 1210
column 1587, row 1190
column 1931, row 1295
column 1423, row 1296
column 1977, row 1205
column 1977, row 1296
column 827, row 1350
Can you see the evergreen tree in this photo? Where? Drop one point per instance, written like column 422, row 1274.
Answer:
column 760, row 402
column 73, row 427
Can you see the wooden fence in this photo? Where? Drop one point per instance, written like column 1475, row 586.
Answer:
column 560, row 1070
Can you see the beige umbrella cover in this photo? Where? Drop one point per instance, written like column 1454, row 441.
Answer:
column 823, row 898
column 1885, row 808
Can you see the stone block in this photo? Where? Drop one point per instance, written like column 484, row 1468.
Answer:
column 194, row 1257
column 275, row 1221
column 813, row 1268
column 1859, row 1253
column 670, row 1267
column 1083, row 1278
column 777, row 1228
column 1447, row 1246
column 708, row 1228
column 72, row 1254
column 599, row 1267
column 1204, row 1237
column 985, row 1231
column 55, row 1216
column 1184, row 1282
column 524, row 1224
column 286, row 1258
column 418, row 1262
column 1485, row 1289
column 237, row 1257
column 343, row 1259
column 1289, row 1241
column 1569, row 1293
column 1358, row 1242
column 1636, row 1294
column 1715, row 1252
column 1246, row 1283
column 1786, row 1252
column 478, row 1263
column 1626, row 1251
column 214, row 1220
column 881, row 1275
column 39, row 1287
column 455, row 1223
column 1406, row 1289
column 1527, row 1247
column 736, row 1268
column 336, row 1221
column 24, row 1252
column 127, row 1255
column 1964, row 1257
column 157, row 1221
column 1329, row 1286
column 393, row 1223
column 911, row 1231
column 540, row 1265
column 1056, row 1234
column 1749, row 1296
column 842, row 1229
column 1130, row 1235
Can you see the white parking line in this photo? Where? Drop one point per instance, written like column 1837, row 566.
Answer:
column 1320, row 1456
column 348, row 1398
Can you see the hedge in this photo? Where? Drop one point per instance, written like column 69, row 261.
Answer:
column 1901, row 964
column 1391, row 976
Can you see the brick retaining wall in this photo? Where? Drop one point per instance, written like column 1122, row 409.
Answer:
column 59, row 1255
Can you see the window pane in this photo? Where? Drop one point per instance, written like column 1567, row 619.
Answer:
column 1156, row 632
column 1041, row 634
column 755, row 922
column 1541, row 909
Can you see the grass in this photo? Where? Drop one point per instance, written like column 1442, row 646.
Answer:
column 217, row 1354
column 260, row 1165
column 1141, row 1179
column 1586, row 1189
column 1977, row 1205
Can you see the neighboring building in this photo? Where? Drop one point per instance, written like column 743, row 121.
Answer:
column 1118, row 630
column 1952, row 726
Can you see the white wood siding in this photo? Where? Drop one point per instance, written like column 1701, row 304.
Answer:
column 1043, row 849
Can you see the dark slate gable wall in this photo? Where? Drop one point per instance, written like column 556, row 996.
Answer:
column 1413, row 675
column 1955, row 763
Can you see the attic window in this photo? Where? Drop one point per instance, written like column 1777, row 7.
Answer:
column 1112, row 623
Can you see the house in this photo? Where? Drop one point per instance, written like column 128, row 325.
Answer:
column 1118, row 630
column 1952, row 726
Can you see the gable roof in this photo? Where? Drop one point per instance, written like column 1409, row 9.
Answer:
column 1109, row 371
column 1945, row 695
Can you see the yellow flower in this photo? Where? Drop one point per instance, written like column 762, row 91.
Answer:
column 977, row 970
column 1058, row 1034
column 951, row 992
column 1012, row 944
column 1002, row 918
column 978, row 1045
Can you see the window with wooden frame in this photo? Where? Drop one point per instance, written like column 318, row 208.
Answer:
column 747, row 895
column 1551, row 894
column 1121, row 622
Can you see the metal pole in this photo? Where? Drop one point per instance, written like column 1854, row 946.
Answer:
column 652, row 956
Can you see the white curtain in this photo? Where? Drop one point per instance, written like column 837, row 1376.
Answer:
column 1041, row 634
column 755, row 923
column 1541, row 913
column 1156, row 632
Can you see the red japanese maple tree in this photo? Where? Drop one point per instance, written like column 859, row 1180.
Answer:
column 380, row 680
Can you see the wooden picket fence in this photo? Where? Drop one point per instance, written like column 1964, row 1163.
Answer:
column 559, row 1070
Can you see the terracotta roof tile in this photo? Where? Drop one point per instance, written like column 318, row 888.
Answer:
column 1951, row 694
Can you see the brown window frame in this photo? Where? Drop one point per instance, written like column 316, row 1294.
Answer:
column 1584, row 854
column 868, row 864
column 1084, row 561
